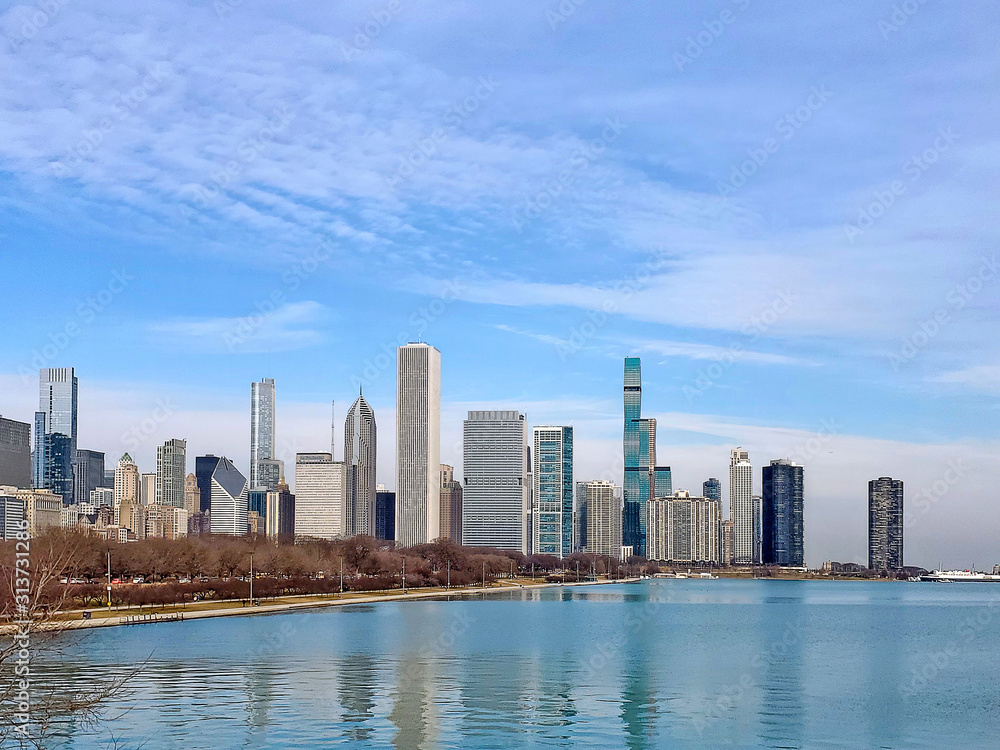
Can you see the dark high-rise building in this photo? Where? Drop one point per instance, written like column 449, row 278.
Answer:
column 885, row 524
column 204, row 467
column 781, row 514
column 55, row 431
column 712, row 489
column 359, row 467
column 88, row 473
column 385, row 515
column 257, row 502
column 15, row 453
column 581, row 517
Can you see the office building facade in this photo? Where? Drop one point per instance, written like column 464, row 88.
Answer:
column 56, row 431
column 418, row 444
column 451, row 505
column 712, row 489
column 127, row 485
column 495, row 491
column 552, row 491
column 279, row 517
column 171, row 470
column 385, row 514
column 229, row 504
column 13, row 524
column 319, row 496
column 15, row 453
column 88, row 473
column 265, row 469
column 885, row 524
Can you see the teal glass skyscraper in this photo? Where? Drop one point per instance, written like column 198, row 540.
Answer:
column 55, row 431
column 639, row 441
column 552, row 495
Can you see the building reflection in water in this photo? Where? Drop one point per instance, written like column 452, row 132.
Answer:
column 357, row 675
column 639, row 700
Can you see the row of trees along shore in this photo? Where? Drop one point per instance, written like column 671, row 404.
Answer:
column 218, row 568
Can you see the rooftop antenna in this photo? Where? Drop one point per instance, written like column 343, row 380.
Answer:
column 333, row 430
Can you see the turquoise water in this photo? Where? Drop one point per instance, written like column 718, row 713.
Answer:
column 659, row 664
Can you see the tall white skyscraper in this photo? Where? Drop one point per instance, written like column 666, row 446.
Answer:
column 171, row 470
column 319, row 496
column 265, row 470
column 418, row 444
column 359, row 464
column 741, row 506
column 496, row 493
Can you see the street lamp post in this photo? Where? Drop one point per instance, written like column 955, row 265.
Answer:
column 109, row 579
column 404, row 574
column 484, row 574
column 251, row 578
column 448, row 585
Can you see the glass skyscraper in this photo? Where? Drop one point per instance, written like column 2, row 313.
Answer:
column 265, row 470
column 712, row 489
column 55, row 431
column 640, row 460
column 781, row 514
column 552, row 495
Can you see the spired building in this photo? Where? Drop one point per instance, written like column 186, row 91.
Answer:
column 229, row 500
column 359, row 467
column 781, row 512
column 265, row 469
column 171, row 469
column 15, row 453
column 552, row 491
column 418, row 444
column 741, row 510
column 55, row 432
column 495, row 495
column 885, row 524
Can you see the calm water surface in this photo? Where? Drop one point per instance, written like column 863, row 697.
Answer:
column 660, row 664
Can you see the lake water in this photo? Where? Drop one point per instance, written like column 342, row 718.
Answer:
column 658, row 664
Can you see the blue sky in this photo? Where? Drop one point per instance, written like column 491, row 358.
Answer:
column 771, row 206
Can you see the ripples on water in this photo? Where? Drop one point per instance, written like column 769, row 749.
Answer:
column 700, row 664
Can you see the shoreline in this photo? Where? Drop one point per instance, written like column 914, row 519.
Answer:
column 229, row 608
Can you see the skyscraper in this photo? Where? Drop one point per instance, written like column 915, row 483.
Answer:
column 280, row 513
column 712, row 488
column 552, row 492
column 782, row 514
column 640, row 460
column 418, row 444
column 682, row 528
column 171, row 468
column 741, row 506
column 385, row 514
column 88, row 473
column 604, row 519
column 580, row 517
column 885, row 524
column 319, row 496
column 663, row 483
column 15, row 453
column 228, row 514
column 55, row 431
column 495, row 494
column 265, row 469
column 204, row 467
column 192, row 495
column 127, row 482
column 359, row 465
column 147, row 489
column 451, row 505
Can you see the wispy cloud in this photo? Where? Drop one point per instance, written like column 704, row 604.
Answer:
column 281, row 329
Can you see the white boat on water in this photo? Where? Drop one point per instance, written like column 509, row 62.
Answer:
column 960, row 576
